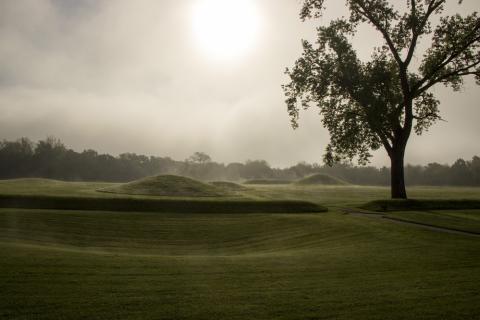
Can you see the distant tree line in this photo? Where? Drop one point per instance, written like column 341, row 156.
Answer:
column 50, row 158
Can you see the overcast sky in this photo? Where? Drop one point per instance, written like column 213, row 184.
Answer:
column 131, row 76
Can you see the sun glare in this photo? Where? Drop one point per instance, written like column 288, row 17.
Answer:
column 225, row 29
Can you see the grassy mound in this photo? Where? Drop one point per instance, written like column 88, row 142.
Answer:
column 167, row 185
column 419, row 205
column 226, row 206
column 321, row 179
column 229, row 186
column 267, row 181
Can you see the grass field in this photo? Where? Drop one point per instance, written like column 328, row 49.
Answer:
column 466, row 220
column 144, row 265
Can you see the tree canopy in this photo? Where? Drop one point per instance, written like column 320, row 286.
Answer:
column 363, row 103
column 366, row 105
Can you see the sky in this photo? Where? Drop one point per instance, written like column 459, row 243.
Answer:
column 160, row 77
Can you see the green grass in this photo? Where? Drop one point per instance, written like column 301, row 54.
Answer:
column 463, row 220
column 454, row 214
column 425, row 204
column 159, row 205
column 92, row 265
column 58, row 264
column 336, row 196
column 167, row 185
column 267, row 181
column 229, row 186
column 354, row 196
column 321, row 179
column 33, row 186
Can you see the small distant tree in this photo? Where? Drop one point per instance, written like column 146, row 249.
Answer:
column 200, row 158
column 378, row 103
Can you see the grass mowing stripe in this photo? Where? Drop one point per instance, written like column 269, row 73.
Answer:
column 341, row 267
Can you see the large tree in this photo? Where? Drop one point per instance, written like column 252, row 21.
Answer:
column 366, row 105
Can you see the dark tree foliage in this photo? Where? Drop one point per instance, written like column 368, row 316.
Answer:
column 199, row 157
column 50, row 158
column 366, row 105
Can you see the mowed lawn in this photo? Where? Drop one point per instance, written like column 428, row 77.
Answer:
column 111, row 265
column 464, row 220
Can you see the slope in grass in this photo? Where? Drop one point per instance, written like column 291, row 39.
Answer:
column 267, row 181
column 321, row 179
column 229, row 186
column 167, row 185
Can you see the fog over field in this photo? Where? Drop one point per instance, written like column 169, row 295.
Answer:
column 124, row 75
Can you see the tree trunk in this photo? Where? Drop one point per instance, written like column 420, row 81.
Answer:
column 397, row 173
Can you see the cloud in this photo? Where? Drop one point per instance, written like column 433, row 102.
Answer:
column 126, row 75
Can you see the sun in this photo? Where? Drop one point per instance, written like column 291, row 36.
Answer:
column 225, row 29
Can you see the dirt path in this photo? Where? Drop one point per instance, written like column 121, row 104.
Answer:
column 356, row 212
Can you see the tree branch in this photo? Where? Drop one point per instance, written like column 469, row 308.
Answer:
column 365, row 13
column 458, row 72
column 432, row 7
column 446, row 60
column 430, row 114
